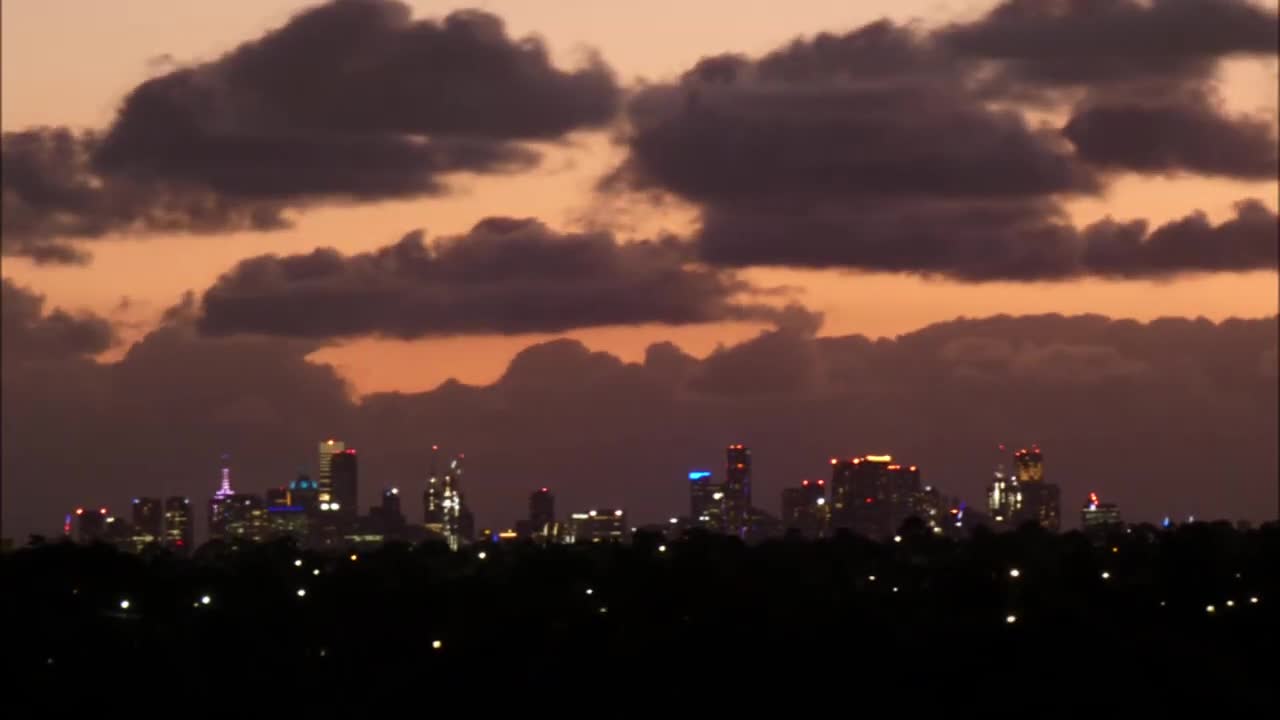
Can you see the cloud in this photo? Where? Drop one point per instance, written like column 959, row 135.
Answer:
column 352, row 100
column 505, row 275
column 1135, row 411
column 31, row 333
column 1190, row 135
column 1092, row 43
column 896, row 149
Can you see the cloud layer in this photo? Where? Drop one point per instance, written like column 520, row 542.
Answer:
column 895, row 148
column 1174, row 416
column 352, row 99
column 505, row 276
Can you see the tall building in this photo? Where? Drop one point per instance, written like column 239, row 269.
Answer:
column 737, row 490
column 148, row 516
column 344, row 475
column 218, row 503
column 872, row 495
column 1030, row 465
column 596, row 526
column 706, row 502
column 1097, row 518
column 179, row 526
column 1004, row 497
column 387, row 518
column 542, row 511
column 324, row 479
column 305, row 493
column 245, row 517
column 90, row 525
column 1041, row 501
column 433, row 496
column 804, row 508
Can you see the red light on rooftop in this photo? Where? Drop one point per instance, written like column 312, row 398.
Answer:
column 870, row 500
column 895, row 467
column 822, row 482
column 435, row 447
column 102, row 511
column 544, row 489
column 804, row 483
column 834, row 461
column 912, row 468
column 79, row 511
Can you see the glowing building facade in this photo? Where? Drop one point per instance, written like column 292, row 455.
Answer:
column 179, row 526
column 872, row 495
column 148, row 516
column 324, row 479
column 218, row 504
column 1097, row 518
column 596, row 526
column 737, row 490
column 805, row 508
column 344, row 477
column 706, row 502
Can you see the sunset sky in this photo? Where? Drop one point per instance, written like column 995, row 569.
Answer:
column 959, row 160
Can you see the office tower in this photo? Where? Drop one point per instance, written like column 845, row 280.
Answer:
column 324, row 480
column 433, row 497
column 1097, row 518
column 90, row 525
column 596, row 526
column 344, row 481
column 737, row 490
column 1004, row 497
column 872, row 495
column 1030, row 465
column 218, row 503
column 804, row 508
column 278, row 497
column 179, row 529
column 305, row 493
column 542, row 510
column 1041, row 501
column 148, row 516
column 245, row 517
column 706, row 502
column 387, row 517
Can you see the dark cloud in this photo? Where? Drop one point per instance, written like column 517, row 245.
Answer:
column 890, row 148
column 1093, row 43
column 504, row 276
column 48, row 191
column 351, row 100
column 1135, row 411
column 1189, row 135
column 30, row 333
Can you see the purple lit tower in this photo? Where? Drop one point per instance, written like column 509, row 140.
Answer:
column 217, row 504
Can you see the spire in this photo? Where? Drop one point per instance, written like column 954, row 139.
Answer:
column 225, row 490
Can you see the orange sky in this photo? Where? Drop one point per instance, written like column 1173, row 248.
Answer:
column 70, row 61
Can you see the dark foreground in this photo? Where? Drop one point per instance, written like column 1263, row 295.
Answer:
column 785, row 628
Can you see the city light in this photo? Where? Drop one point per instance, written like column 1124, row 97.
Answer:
column 1210, row 609
column 1015, row 572
column 662, row 548
column 354, row 557
column 1010, row 619
column 590, row 591
column 482, row 555
column 205, row 599
column 316, row 571
column 872, row 578
column 1253, row 600
column 675, row 521
column 1106, row 575
column 897, row 538
column 1231, row 603
column 297, row 563
column 124, row 604
column 822, row 501
column 436, row 644
column 302, row 592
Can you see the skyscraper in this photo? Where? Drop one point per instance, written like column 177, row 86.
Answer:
column 1030, row 465
column 433, row 496
column 1098, row 518
column 324, row 480
column 737, row 489
column 179, row 530
column 444, row 508
column 218, row 503
column 305, row 493
column 872, row 495
column 344, row 482
column 706, row 501
column 148, row 516
column 596, row 526
column 1041, row 501
column 804, row 508
column 90, row 524
column 1004, row 497
column 542, row 510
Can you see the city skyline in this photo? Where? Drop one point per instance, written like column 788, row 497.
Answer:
column 591, row 242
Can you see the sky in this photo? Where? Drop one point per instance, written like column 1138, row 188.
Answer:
column 349, row 204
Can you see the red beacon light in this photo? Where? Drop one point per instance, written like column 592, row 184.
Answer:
column 834, row 461
column 79, row 511
column 804, row 483
column 544, row 490
column 102, row 511
column 822, row 482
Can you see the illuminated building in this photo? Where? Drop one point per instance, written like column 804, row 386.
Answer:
column 387, row 517
column 1041, row 501
column 433, row 497
column 706, row 501
column 218, row 504
column 595, row 526
column 179, row 529
column 148, row 516
column 305, row 493
column 324, row 480
column 1004, row 497
column 804, row 508
column 542, row 510
column 871, row 495
column 90, row 524
column 245, row 517
column 1097, row 518
column 1030, row 465
column 278, row 497
column 737, row 490
column 344, row 474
